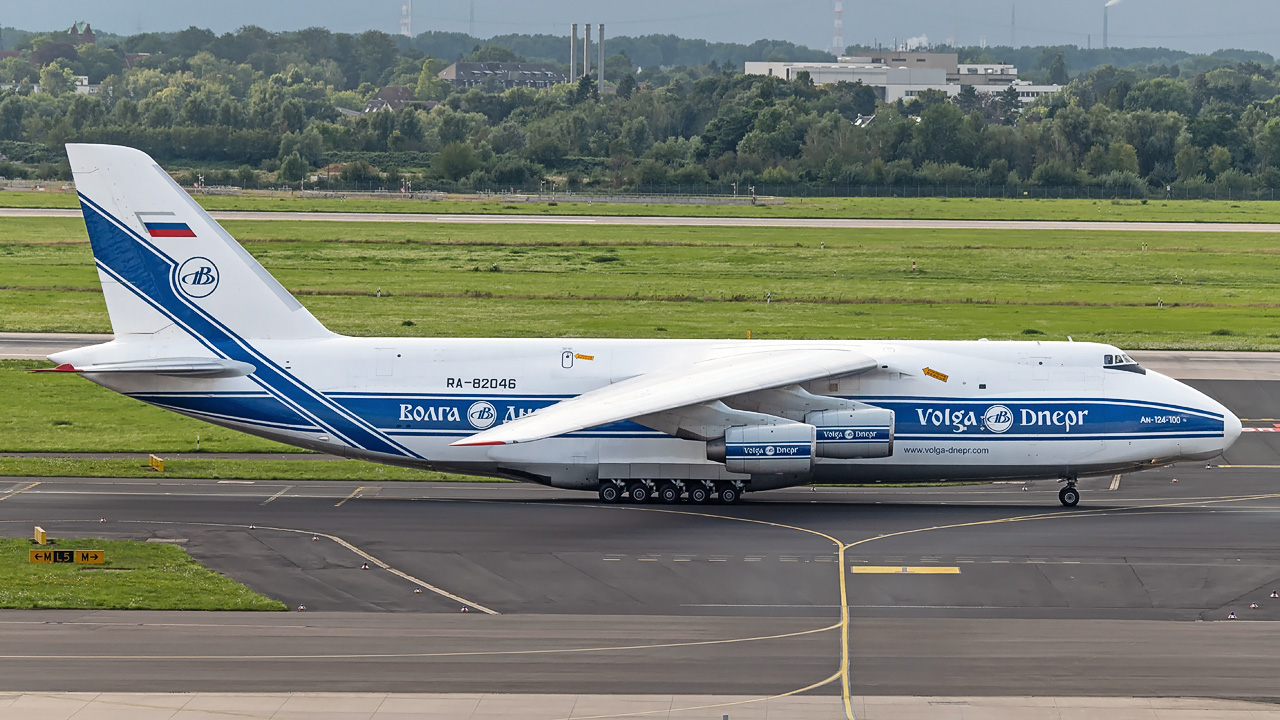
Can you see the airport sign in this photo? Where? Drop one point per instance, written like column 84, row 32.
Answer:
column 78, row 557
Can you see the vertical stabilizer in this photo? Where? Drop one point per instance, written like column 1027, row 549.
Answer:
column 164, row 262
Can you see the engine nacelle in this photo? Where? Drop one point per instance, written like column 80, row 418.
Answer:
column 766, row 449
column 848, row 434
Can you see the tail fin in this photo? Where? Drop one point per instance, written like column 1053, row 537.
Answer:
column 163, row 261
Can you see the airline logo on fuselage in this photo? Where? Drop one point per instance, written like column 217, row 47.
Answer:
column 1000, row 419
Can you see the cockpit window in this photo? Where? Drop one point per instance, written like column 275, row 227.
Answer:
column 1123, row 362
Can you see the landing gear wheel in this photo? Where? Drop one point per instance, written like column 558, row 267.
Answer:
column 639, row 492
column 729, row 494
column 610, row 492
column 698, row 494
column 668, row 493
column 1069, row 496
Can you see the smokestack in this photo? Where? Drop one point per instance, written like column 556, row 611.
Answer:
column 1013, row 26
column 600, row 62
column 573, row 52
column 1104, row 26
column 837, row 38
column 586, row 49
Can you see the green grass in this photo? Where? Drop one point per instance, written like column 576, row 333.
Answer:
column 711, row 282
column 59, row 413
column 135, row 576
column 883, row 207
column 352, row 470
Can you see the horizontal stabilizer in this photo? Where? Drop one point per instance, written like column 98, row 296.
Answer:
column 200, row 367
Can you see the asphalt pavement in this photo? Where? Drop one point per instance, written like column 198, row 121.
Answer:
column 977, row 590
column 685, row 221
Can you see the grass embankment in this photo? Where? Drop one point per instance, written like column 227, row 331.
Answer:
column 1184, row 290
column 900, row 208
column 135, row 576
column 56, row 413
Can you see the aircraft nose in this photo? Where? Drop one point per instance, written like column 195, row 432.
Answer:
column 1230, row 429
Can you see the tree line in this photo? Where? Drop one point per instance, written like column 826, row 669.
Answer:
column 256, row 108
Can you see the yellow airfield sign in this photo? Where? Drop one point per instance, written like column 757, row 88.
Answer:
column 79, row 557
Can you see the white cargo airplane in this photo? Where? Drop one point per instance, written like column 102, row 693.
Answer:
column 203, row 330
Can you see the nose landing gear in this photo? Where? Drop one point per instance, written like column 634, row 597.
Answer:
column 1069, row 495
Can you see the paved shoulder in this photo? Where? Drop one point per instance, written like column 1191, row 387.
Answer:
column 777, row 222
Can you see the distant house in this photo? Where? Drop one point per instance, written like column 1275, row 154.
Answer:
column 131, row 59
column 503, row 74
column 391, row 97
column 82, row 86
column 81, row 34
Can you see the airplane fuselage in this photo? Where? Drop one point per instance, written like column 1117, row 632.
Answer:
column 962, row 410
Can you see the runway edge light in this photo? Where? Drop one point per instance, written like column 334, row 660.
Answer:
column 41, row 537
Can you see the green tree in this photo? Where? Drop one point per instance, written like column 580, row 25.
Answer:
column 293, row 168
column 1268, row 141
column 1160, row 94
column 12, row 111
column 456, row 160
column 57, row 79
column 967, row 99
column 1219, row 159
column 1190, row 162
column 1010, row 105
column 1058, row 70
column 1123, row 158
column 626, row 86
column 494, row 53
column 247, row 177
column 430, row 85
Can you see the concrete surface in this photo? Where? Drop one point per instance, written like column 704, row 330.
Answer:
column 848, row 223
column 464, row 706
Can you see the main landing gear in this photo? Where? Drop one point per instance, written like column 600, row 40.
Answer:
column 1069, row 495
column 669, row 492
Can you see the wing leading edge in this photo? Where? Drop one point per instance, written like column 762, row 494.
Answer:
column 676, row 387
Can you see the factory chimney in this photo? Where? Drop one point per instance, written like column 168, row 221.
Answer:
column 573, row 52
column 1104, row 26
column 600, row 62
column 837, row 38
column 586, row 49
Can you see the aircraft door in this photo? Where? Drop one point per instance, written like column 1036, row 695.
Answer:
column 385, row 361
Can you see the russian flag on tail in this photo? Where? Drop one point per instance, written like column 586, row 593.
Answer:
column 164, row 225
column 169, row 229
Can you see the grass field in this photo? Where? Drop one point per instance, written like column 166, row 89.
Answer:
column 875, row 207
column 135, row 576
column 1133, row 289
column 1138, row 290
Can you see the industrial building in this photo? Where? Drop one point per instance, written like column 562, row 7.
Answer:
column 503, row 75
column 903, row 75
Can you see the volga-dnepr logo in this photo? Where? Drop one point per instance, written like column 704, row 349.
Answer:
column 198, row 277
column 997, row 418
column 481, row 414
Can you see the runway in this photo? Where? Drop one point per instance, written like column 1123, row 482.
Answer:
column 984, row 591
column 687, row 221
column 589, row 598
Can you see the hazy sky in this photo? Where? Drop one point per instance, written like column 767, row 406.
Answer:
column 1192, row 25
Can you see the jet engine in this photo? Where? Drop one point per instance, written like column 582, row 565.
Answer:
column 848, row 434
column 766, row 449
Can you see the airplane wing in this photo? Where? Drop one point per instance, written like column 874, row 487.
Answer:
column 676, row 387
